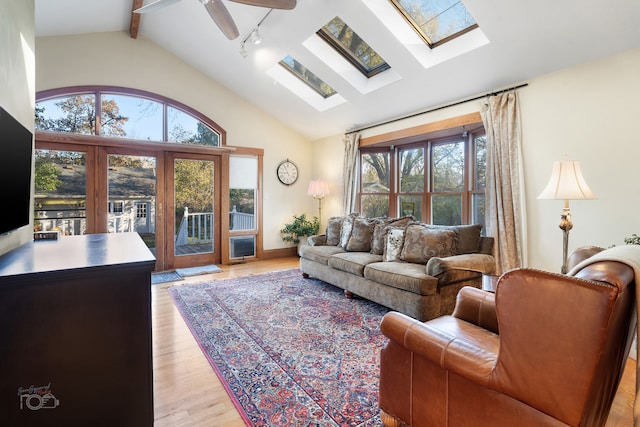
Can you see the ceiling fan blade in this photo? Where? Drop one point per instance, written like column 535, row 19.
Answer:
column 222, row 18
column 156, row 5
column 272, row 4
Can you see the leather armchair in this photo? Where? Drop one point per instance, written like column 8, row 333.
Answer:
column 544, row 350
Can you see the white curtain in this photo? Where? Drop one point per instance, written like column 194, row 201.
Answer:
column 349, row 166
column 505, row 207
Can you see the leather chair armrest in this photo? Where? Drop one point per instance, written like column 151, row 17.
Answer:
column 478, row 307
column 451, row 343
column 481, row 263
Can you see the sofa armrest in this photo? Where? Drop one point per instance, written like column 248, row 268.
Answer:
column 478, row 307
column 317, row 240
column 481, row 263
column 451, row 343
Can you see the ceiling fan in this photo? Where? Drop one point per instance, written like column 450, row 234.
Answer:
column 219, row 12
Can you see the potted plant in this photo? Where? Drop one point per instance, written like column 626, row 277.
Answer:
column 300, row 227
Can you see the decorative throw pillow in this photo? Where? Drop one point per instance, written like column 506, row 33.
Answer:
column 345, row 232
column 394, row 238
column 378, row 240
column 361, row 234
column 334, row 226
column 468, row 236
column 422, row 243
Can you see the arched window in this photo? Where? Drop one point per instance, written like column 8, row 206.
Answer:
column 124, row 113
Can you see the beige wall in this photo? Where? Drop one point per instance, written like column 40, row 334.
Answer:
column 17, row 81
column 116, row 59
column 587, row 112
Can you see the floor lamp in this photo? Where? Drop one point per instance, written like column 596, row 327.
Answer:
column 566, row 183
column 318, row 189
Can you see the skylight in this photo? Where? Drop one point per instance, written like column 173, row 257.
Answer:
column 342, row 38
column 436, row 21
column 313, row 81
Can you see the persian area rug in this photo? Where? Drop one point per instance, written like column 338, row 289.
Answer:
column 290, row 351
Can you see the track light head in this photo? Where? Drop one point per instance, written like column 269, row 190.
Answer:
column 255, row 37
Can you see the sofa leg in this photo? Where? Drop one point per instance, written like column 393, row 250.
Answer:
column 389, row 420
column 305, row 275
column 349, row 294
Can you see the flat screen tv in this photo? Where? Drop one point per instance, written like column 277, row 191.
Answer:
column 15, row 173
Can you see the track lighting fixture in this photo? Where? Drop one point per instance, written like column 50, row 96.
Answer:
column 253, row 36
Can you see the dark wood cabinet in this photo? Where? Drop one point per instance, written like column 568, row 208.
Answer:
column 75, row 332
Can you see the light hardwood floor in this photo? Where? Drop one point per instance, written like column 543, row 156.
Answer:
column 187, row 392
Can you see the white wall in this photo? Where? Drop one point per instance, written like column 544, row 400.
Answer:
column 118, row 60
column 587, row 112
column 17, row 82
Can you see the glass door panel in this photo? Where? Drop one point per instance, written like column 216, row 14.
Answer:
column 60, row 191
column 195, row 225
column 131, row 196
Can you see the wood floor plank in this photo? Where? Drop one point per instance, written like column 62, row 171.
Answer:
column 187, row 391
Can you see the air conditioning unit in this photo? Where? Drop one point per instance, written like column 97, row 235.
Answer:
column 242, row 246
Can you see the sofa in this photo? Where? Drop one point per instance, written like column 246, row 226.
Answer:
column 407, row 266
column 544, row 350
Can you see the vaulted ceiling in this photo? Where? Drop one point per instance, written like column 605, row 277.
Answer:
column 522, row 39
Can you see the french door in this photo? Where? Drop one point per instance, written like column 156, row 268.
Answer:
column 171, row 199
column 193, row 220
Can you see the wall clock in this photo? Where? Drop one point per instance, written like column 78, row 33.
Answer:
column 287, row 172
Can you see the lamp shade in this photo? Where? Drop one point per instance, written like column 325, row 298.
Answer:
column 318, row 188
column 566, row 183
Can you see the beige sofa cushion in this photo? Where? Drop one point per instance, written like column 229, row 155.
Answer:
column 422, row 243
column 468, row 236
column 402, row 275
column 394, row 239
column 361, row 235
column 347, row 228
column 353, row 262
column 378, row 240
column 319, row 254
column 334, row 226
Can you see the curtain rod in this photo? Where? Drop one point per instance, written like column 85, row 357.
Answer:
column 437, row 108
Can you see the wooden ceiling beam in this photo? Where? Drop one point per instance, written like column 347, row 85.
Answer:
column 135, row 19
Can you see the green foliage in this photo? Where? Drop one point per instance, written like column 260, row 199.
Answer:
column 242, row 199
column 78, row 115
column 193, row 186
column 301, row 226
column 46, row 176
column 633, row 240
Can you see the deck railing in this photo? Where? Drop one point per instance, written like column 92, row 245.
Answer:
column 68, row 221
column 194, row 228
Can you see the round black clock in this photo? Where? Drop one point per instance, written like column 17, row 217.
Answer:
column 287, row 172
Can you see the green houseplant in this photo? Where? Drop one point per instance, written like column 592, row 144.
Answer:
column 301, row 226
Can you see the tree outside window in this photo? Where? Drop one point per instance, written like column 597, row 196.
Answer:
column 449, row 192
